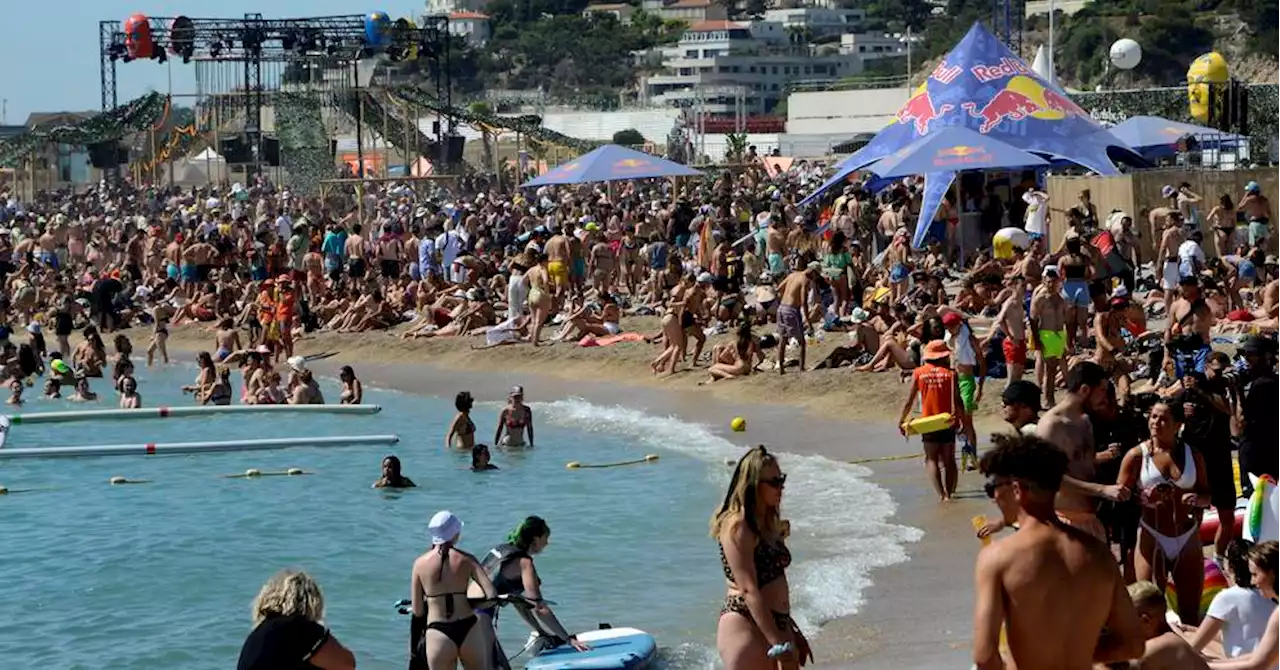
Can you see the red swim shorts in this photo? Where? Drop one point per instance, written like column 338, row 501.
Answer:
column 1015, row 353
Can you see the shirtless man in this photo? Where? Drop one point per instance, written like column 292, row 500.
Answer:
column 1025, row 582
column 1257, row 211
column 601, row 264
column 355, row 252
column 897, row 259
column 1047, row 318
column 1067, row 426
column 1165, row 649
column 1187, row 337
column 1167, row 253
column 793, row 304
column 558, row 262
column 775, row 247
column 226, row 339
column 1106, row 332
column 1011, row 320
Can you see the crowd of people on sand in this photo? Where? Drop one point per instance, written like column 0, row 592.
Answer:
column 1147, row 415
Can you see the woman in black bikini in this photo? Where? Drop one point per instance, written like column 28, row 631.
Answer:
column 756, row 629
column 444, row 629
column 462, row 432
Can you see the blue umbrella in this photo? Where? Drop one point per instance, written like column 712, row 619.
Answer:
column 612, row 163
column 1153, row 133
column 953, row 149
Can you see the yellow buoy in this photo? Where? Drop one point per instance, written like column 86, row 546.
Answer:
column 738, row 424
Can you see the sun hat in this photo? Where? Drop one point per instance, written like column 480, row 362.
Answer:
column 935, row 350
column 444, row 527
column 297, row 363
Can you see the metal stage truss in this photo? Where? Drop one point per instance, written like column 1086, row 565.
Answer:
column 309, row 43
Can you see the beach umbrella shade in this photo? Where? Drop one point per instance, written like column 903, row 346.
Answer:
column 612, row 163
column 1149, row 134
column 954, row 149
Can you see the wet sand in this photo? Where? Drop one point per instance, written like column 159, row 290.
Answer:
column 916, row 614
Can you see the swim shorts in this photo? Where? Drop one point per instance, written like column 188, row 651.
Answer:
column 790, row 323
column 579, row 269
column 1190, row 360
column 190, row 273
column 776, row 265
column 1054, row 343
column 968, row 391
column 1076, row 292
column 559, row 273
column 1259, row 229
column 171, row 271
column 944, row 436
column 1171, row 275
column 1015, row 353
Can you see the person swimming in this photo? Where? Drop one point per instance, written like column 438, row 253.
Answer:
column 391, row 477
column 129, row 397
column 480, row 459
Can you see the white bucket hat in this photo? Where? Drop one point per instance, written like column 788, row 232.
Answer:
column 445, row 527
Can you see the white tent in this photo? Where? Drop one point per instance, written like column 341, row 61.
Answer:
column 1043, row 65
column 208, row 155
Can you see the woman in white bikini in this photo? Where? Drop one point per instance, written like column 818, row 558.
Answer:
column 1169, row 477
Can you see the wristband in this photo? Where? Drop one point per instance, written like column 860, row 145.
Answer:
column 779, row 649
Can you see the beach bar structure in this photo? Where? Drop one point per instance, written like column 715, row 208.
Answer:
column 178, row 412
column 155, row 448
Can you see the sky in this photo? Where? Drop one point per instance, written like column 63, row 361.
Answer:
column 51, row 57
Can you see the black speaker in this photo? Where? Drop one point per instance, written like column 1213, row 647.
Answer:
column 106, row 155
column 271, row 151
column 454, row 145
column 235, row 150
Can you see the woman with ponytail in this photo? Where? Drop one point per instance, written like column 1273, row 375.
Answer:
column 510, row 567
column 444, row 629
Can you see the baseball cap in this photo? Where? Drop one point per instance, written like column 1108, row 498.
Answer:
column 951, row 319
column 444, row 527
column 935, row 350
column 516, row 391
column 1022, row 392
column 1168, row 191
column 1050, row 271
column 1251, row 187
column 1252, row 344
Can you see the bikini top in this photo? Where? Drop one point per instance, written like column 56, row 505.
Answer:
column 771, row 561
column 1151, row 478
column 449, row 595
column 516, row 419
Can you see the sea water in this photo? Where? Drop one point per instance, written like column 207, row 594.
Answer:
column 162, row 574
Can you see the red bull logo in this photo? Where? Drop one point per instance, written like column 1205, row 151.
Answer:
column 1023, row 97
column 961, row 155
column 630, row 163
column 569, row 167
column 921, row 111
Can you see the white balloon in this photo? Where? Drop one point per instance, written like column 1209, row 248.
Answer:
column 1126, row 54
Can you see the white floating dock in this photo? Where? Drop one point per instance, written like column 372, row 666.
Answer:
column 178, row 412
column 152, row 448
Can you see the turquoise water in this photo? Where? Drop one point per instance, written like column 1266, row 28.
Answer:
column 162, row 574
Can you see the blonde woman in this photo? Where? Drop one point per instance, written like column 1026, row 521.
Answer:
column 756, row 630
column 444, row 629
column 288, row 628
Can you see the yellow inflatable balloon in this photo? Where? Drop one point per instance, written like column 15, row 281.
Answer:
column 738, row 424
column 1211, row 68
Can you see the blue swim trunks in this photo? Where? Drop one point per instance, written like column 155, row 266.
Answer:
column 190, row 273
column 1076, row 292
column 171, row 271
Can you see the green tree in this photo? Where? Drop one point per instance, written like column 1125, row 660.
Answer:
column 628, row 138
column 1170, row 41
column 1261, row 17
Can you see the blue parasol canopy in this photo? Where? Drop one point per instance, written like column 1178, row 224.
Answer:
column 612, row 163
column 953, row 148
column 1156, row 135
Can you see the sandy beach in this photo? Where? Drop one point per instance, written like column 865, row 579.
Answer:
column 916, row 614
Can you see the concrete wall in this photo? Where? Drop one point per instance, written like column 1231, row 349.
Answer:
column 851, row 112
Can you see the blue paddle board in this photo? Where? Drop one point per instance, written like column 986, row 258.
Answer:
column 611, row 649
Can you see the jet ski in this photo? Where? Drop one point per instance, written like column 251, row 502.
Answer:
column 611, row 648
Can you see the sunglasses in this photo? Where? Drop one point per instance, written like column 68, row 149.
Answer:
column 992, row 486
column 778, row 482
